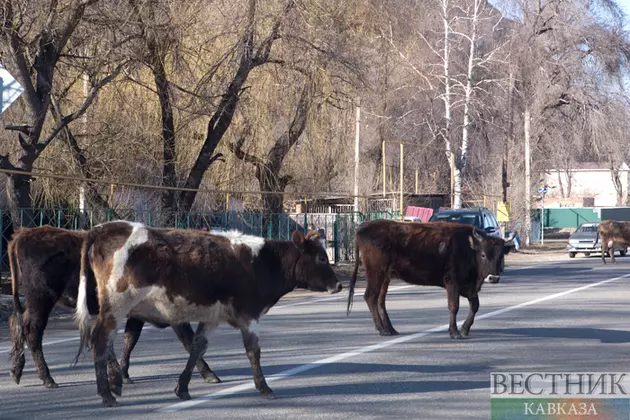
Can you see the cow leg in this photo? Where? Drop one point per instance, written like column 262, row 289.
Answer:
column 186, row 334
column 611, row 252
column 375, row 279
column 34, row 325
column 386, row 324
column 250, row 340
column 114, row 373
column 133, row 329
column 100, row 343
column 197, row 350
column 452, row 294
column 474, row 307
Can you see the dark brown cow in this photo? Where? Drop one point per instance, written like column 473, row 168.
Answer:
column 175, row 276
column 454, row 256
column 613, row 233
column 45, row 261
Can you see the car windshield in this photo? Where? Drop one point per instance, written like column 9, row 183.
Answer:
column 468, row 219
column 588, row 228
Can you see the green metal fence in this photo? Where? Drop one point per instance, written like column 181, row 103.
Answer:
column 569, row 217
column 338, row 228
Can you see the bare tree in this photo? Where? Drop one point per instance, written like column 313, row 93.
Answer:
column 34, row 38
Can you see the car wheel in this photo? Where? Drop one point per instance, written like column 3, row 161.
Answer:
column 622, row 253
column 587, row 254
column 572, row 254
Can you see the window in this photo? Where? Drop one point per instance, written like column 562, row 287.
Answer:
column 588, row 228
column 468, row 219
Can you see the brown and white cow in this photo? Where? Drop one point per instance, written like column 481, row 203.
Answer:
column 454, row 256
column 45, row 262
column 176, row 276
column 613, row 233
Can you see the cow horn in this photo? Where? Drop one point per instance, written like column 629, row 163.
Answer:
column 313, row 234
column 477, row 235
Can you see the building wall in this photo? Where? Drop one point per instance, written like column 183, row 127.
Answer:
column 596, row 183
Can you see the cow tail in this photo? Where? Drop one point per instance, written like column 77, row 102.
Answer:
column 353, row 280
column 16, row 321
column 82, row 313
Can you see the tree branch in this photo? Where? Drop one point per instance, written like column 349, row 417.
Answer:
column 22, row 128
column 64, row 121
column 5, row 163
column 284, row 142
column 237, row 149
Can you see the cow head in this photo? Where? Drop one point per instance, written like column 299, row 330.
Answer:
column 489, row 253
column 313, row 270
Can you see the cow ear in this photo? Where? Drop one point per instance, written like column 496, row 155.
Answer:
column 298, row 239
column 473, row 242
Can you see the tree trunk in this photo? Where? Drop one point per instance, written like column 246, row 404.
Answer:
column 222, row 117
column 560, row 183
column 614, row 174
column 528, row 183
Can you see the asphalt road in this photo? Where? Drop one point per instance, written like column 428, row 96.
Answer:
column 568, row 316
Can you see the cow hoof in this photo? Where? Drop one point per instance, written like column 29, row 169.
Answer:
column 116, row 389
column 110, row 401
column 387, row 333
column 182, row 394
column 267, row 393
column 456, row 336
column 15, row 377
column 127, row 381
column 50, row 384
column 211, row 378
column 465, row 332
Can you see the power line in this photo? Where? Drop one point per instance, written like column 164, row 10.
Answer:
column 198, row 190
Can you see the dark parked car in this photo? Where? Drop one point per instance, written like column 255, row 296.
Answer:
column 479, row 217
column 586, row 240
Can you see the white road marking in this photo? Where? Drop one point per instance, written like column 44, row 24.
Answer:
column 332, row 359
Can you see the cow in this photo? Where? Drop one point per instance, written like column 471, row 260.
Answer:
column 453, row 256
column 613, row 233
column 45, row 261
column 175, row 276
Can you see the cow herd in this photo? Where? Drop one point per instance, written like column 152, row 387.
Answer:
column 173, row 277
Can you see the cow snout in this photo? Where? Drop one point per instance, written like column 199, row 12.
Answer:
column 335, row 289
column 492, row 279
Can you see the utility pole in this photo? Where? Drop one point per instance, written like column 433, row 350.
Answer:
column 384, row 168
column 452, row 177
column 357, row 143
column 416, row 180
column 402, row 149
column 542, row 218
column 528, row 203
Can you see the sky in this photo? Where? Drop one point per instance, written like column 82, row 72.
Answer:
column 625, row 5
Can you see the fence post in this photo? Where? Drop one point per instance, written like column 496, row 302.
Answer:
column 305, row 225
column 336, row 238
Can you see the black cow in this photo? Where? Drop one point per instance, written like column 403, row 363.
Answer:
column 454, row 256
column 45, row 262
